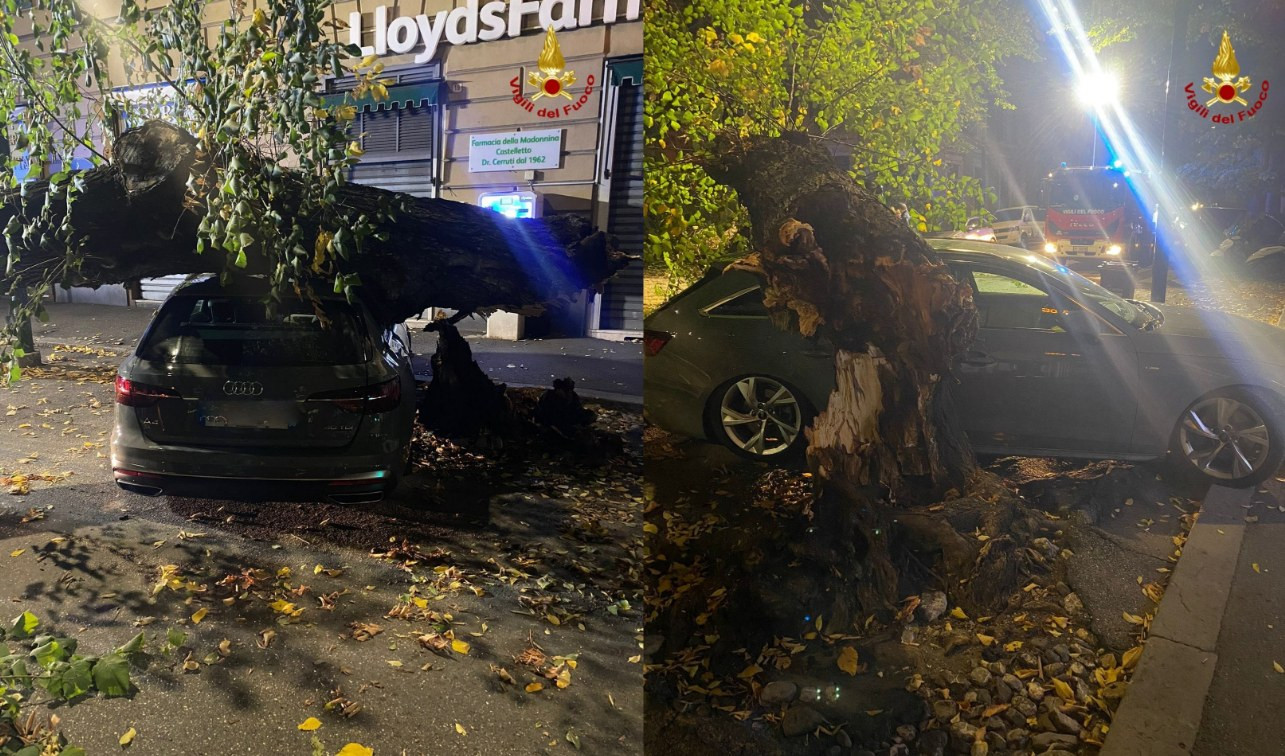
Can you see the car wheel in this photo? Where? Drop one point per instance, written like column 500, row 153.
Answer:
column 1234, row 437
column 759, row 417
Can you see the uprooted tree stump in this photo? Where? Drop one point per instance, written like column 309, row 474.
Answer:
column 133, row 219
column 462, row 402
column 839, row 264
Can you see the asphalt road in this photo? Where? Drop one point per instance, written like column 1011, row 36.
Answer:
column 95, row 585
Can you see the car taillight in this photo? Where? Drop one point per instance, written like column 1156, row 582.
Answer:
column 382, row 397
column 654, row 341
column 135, row 394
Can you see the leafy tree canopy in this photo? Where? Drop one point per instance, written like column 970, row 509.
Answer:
column 248, row 90
column 890, row 87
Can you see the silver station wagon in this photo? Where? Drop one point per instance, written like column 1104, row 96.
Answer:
column 230, row 393
column 1060, row 367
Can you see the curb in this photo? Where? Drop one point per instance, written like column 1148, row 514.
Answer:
column 1161, row 712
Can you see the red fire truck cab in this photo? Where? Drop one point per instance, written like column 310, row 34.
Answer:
column 1092, row 216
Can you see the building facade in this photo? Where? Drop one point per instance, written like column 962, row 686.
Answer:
column 476, row 114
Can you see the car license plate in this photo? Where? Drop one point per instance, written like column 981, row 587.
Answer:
column 250, row 414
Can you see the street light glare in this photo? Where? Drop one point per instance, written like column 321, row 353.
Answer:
column 1098, row 87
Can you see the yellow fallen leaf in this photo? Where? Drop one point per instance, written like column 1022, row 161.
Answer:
column 355, row 749
column 16, row 553
column 310, row 724
column 394, row 663
column 1013, row 646
column 534, row 687
column 128, row 737
column 1279, row 669
column 958, row 613
column 1129, row 659
column 460, row 729
column 986, row 640
column 1256, row 568
column 553, row 618
column 1064, row 690
column 750, row 671
column 1132, row 619
column 199, row 615
column 848, row 660
column 649, row 527
column 459, row 647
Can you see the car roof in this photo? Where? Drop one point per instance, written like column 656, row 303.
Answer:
column 972, row 249
column 240, row 286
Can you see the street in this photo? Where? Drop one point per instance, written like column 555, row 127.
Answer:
column 529, row 562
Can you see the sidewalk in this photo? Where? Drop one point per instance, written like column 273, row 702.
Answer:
column 1206, row 683
column 602, row 369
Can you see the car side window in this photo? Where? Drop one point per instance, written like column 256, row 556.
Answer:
column 747, row 303
column 1010, row 303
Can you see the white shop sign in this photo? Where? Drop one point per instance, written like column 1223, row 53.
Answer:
column 470, row 23
column 514, row 151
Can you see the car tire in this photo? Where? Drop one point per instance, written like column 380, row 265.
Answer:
column 780, row 424
column 1234, row 437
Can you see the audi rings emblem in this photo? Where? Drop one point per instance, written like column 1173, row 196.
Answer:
column 243, row 388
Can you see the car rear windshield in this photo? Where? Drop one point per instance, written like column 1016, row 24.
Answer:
column 247, row 332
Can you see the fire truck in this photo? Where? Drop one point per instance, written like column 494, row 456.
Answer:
column 1092, row 216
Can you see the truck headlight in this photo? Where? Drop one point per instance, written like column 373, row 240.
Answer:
column 1050, row 248
column 1114, row 249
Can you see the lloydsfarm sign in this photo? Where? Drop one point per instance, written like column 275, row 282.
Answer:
column 476, row 22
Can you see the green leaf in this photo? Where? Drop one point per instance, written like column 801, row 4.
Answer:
column 24, row 625
column 48, row 653
column 111, row 675
column 241, row 260
column 72, row 751
column 175, row 637
column 134, row 645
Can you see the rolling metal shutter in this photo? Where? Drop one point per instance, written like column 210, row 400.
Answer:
column 398, row 135
column 157, row 289
column 622, row 297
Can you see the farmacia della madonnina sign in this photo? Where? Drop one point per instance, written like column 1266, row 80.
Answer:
column 477, row 22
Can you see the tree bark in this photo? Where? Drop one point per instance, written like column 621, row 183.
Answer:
column 133, row 222
column 840, row 265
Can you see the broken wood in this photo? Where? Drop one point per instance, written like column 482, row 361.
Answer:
column 840, row 264
column 133, row 221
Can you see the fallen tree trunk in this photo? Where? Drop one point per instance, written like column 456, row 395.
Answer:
column 839, row 264
column 134, row 221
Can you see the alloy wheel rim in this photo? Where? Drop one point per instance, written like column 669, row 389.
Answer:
column 1224, row 438
column 760, row 416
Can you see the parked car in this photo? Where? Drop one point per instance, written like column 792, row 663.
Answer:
column 1060, row 367
column 979, row 227
column 227, row 390
column 1019, row 226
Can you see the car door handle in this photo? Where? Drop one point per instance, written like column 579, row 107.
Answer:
column 977, row 358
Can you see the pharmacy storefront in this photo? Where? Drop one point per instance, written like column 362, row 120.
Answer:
column 526, row 107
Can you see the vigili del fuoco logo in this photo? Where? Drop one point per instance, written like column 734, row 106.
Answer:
column 1226, row 86
column 551, row 83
